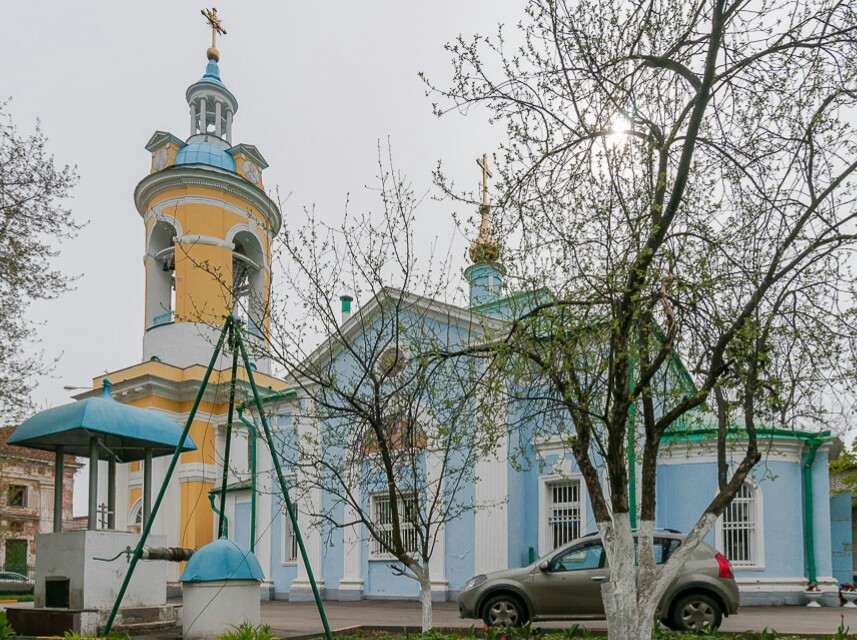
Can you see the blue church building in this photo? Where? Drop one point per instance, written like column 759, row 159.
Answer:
column 777, row 532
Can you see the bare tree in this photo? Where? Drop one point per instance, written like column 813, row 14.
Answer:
column 33, row 219
column 679, row 176
column 385, row 430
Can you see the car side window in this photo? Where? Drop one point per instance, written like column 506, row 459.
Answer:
column 663, row 548
column 579, row 558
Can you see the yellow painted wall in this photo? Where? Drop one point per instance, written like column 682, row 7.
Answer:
column 134, row 494
column 197, row 518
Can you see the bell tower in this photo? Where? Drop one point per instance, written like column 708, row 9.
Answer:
column 209, row 227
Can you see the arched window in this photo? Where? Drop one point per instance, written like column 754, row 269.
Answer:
column 740, row 529
column 248, row 295
column 135, row 517
column 160, row 275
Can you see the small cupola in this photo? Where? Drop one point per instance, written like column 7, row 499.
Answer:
column 486, row 273
column 212, row 105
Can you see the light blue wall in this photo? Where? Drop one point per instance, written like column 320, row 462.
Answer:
column 281, row 574
column 840, row 538
column 332, row 540
column 241, row 525
column 821, row 515
column 685, row 490
column 460, row 541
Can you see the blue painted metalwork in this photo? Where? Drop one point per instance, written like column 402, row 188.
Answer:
column 164, row 318
column 205, row 153
column 222, row 559
column 212, row 74
column 124, row 430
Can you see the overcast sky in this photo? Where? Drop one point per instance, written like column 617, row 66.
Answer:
column 318, row 84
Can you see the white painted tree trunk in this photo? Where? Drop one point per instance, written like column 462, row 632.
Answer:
column 425, row 597
column 632, row 595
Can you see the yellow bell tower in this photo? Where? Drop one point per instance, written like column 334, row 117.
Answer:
column 209, row 226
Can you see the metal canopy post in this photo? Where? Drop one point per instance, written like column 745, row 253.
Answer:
column 257, row 400
column 147, row 484
column 173, row 462
column 92, row 519
column 59, row 487
column 111, row 492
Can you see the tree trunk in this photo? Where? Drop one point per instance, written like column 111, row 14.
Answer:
column 629, row 617
column 425, row 597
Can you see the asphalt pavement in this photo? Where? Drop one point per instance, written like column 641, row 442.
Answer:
column 290, row 619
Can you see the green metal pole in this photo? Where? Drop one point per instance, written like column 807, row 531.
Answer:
column 228, row 444
column 808, row 519
column 147, row 527
column 252, row 431
column 253, row 490
column 282, row 480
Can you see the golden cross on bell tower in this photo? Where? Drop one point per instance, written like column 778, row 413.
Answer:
column 486, row 173
column 216, row 27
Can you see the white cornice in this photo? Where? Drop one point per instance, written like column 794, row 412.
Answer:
column 362, row 320
column 179, row 176
column 190, row 238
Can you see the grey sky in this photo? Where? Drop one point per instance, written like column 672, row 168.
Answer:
column 317, row 83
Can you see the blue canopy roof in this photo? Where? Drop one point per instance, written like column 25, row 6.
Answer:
column 123, row 430
column 222, row 559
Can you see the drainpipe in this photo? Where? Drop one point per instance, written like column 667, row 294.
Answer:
column 225, row 533
column 251, row 427
column 808, row 523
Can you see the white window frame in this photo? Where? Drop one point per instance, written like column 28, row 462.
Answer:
column 289, row 551
column 545, row 507
column 376, row 551
column 757, row 537
column 135, row 512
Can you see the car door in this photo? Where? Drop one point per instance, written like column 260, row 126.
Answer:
column 569, row 585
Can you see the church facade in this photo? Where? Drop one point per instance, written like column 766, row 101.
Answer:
column 208, row 227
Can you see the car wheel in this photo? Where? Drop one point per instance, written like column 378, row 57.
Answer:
column 694, row 612
column 504, row 611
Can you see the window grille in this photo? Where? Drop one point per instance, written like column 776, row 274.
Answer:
column 564, row 512
column 290, row 540
column 738, row 528
column 382, row 515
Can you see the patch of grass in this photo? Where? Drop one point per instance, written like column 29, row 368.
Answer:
column 576, row 632
column 247, row 631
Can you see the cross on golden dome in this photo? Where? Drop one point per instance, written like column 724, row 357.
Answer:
column 216, row 27
column 485, row 248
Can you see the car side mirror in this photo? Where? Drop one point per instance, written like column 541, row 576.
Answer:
column 544, row 565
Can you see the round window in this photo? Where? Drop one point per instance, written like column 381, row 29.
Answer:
column 391, row 362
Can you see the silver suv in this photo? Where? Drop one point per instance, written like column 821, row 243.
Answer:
column 566, row 585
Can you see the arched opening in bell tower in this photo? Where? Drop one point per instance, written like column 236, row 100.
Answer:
column 248, row 281
column 160, row 275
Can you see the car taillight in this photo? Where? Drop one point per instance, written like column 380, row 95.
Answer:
column 725, row 567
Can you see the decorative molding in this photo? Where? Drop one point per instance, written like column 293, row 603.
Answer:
column 200, row 239
column 179, row 176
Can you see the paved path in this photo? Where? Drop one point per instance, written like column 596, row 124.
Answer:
column 290, row 619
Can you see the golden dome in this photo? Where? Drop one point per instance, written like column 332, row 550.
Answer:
column 485, row 248
column 213, row 54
